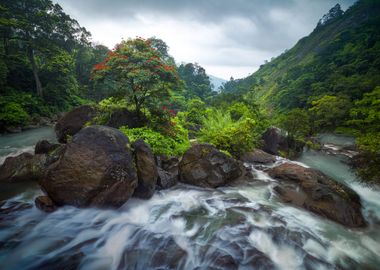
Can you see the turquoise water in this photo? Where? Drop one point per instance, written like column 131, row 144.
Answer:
column 13, row 144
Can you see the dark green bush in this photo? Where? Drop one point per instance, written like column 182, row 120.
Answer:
column 161, row 144
column 234, row 137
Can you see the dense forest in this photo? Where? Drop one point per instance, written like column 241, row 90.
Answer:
column 329, row 81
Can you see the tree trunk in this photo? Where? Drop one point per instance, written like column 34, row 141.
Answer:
column 35, row 71
column 138, row 109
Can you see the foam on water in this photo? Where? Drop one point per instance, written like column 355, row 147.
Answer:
column 15, row 144
column 237, row 227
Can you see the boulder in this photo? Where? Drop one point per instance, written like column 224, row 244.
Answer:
column 166, row 179
column 96, row 169
column 258, row 156
column 44, row 147
column 125, row 117
column 73, row 121
column 170, row 164
column 274, row 140
column 146, row 170
column 318, row 193
column 55, row 154
column 44, row 203
column 205, row 166
column 24, row 167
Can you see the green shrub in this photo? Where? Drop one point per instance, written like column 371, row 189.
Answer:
column 17, row 108
column 107, row 106
column 161, row 144
column 12, row 114
column 235, row 137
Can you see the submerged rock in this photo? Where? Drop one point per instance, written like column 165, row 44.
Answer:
column 146, row 170
column 74, row 121
column 318, row 193
column 24, row 167
column 258, row 156
column 205, row 166
column 95, row 169
column 44, row 203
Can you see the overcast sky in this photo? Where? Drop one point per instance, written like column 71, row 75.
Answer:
column 226, row 37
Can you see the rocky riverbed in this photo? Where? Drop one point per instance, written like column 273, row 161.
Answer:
column 236, row 219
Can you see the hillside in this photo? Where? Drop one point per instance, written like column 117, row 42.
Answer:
column 216, row 82
column 340, row 57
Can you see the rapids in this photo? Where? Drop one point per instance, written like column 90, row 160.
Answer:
column 239, row 227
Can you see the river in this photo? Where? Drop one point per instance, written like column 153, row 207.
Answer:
column 239, row 227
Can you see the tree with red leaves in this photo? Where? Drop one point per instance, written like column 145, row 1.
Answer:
column 139, row 70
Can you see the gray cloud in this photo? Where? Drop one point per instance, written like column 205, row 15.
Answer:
column 226, row 37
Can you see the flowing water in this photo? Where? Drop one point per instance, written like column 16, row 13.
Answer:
column 14, row 144
column 239, row 227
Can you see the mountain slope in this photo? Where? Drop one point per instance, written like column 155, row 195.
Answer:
column 216, row 82
column 340, row 57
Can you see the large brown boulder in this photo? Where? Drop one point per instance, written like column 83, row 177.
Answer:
column 73, row 121
column 95, row 169
column 205, row 166
column 146, row 170
column 258, row 156
column 318, row 193
column 24, row 167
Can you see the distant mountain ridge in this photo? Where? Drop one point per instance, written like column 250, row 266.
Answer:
column 340, row 57
column 216, row 82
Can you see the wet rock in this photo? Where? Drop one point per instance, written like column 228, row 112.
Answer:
column 44, row 203
column 205, row 166
column 13, row 129
column 258, row 260
column 24, row 167
column 74, row 121
column 170, row 164
column 167, row 172
column 95, row 169
column 7, row 208
column 55, row 155
column 316, row 192
column 334, row 150
column 146, row 170
column 147, row 250
column 276, row 142
column 125, row 117
column 169, row 256
column 70, row 260
column 166, row 179
column 258, row 156
column 44, row 147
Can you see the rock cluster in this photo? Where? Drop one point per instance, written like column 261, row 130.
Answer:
column 99, row 167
